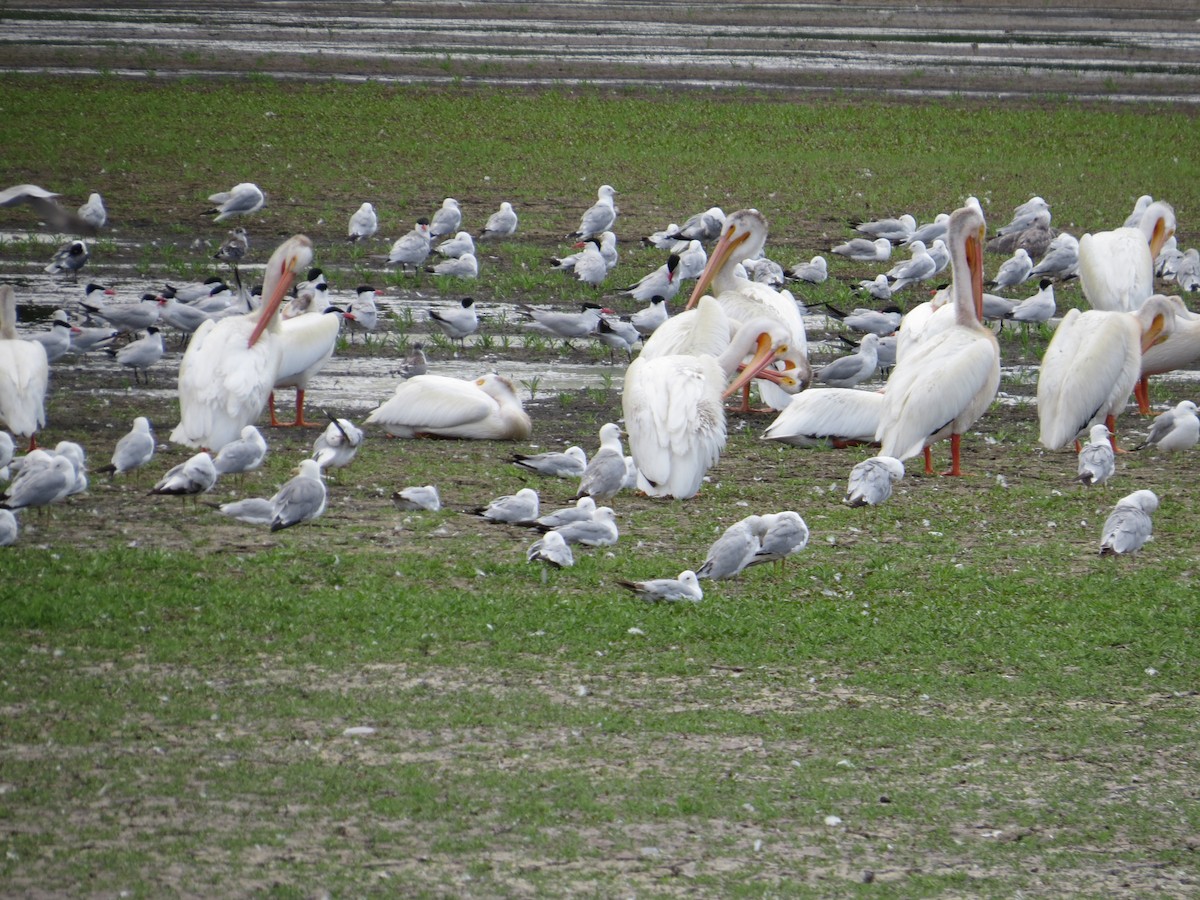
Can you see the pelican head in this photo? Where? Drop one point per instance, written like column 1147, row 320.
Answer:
column 1158, row 224
column 966, row 233
column 743, row 237
column 764, row 340
column 1157, row 318
column 292, row 256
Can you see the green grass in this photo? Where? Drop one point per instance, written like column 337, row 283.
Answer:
column 987, row 706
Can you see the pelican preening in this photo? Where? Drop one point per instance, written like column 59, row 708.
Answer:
column 486, row 408
column 1116, row 268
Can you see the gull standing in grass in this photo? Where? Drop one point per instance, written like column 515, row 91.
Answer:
column 363, row 224
column 569, row 463
column 193, row 476
column 500, row 224
column 242, row 200
column 457, row 323
column 1061, row 259
column 670, row 590
column 918, row 268
column 550, row 548
column 242, row 455
column 734, row 549
column 599, row 217
column 854, row 369
column 878, row 287
column 411, row 249
column 44, row 478
column 705, row 226
column 141, row 354
column 134, row 449
column 871, row 480
column 605, row 472
column 1128, row 526
column 8, row 528
column 784, row 533
column 1096, row 463
column 893, row 230
column 1014, row 270
column 446, row 220
column 337, row 445
column 1176, row 429
column 520, row 508
column 302, row 499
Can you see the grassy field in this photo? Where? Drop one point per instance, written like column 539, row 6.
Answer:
column 950, row 695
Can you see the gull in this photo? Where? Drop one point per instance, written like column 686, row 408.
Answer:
column 241, row 200
column 705, row 226
column 196, row 475
column 362, row 313
column 665, row 239
column 1166, row 263
column 457, row 323
column 897, row 229
column 940, row 254
column 599, row 217
column 662, row 282
column 1128, row 526
column 878, row 287
column 590, row 267
column 783, row 534
column 1176, row 429
column 815, row 271
column 734, row 549
column 599, row 531
column 617, row 334
column 415, row 363
column 918, row 268
column 235, row 248
column 583, row 510
column 1097, row 462
column 864, row 249
column 1013, row 270
column 70, row 257
column 647, row 319
column 1024, row 215
column 871, row 480
column 869, row 321
column 74, row 453
column 337, row 445
column 252, row 510
column 363, row 224
column 551, row 548
column 1035, row 238
column 692, row 261
column 301, row 499
column 242, row 455
column 1061, row 259
column 1187, row 275
column 765, row 271
column 180, row 316
column 446, row 220
column 569, row 463
column 141, row 354
column 6, row 454
column 465, row 266
column 423, row 497
column 520, row 508
column 605, row 472
column 453, row 248
column 930, row 231
column 500, row 224
column 566, row 326
column 44, row 478
column 670, row 590
column 1038, row 309
column 854, row 369
column 8, row 528
column 42, row 202
column 607, row 243
column 134, row 449
column 412, row 248
column 57, row 341
column 128, row 316
column 93, row 212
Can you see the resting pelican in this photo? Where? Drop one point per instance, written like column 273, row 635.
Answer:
column 1116, row 268
column 744, row 237
column 673, row 403
column 24, row 374
column 308, row 342
column 835, row 417
column 1181, row 350
column 487, row 408
column 1091, row 366
column 231, row 365
column 948, row 385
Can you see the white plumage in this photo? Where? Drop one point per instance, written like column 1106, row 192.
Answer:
column 486, row 408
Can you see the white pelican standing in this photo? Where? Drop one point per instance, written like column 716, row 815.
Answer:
column 486, row 408
column 948, row 385
column 24, row 374
column 308, row 341
column 231, row 365
column 1091, row 366
column 1116, row 268
column 1180, row 350
column 672, row 403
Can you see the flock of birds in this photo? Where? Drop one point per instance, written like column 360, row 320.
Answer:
column 739, row 325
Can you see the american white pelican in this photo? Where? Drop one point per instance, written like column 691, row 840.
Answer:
column 686, row 588
column 734, row 549
column 949, row 384
column 1014, row 270
column 24, row 374
column 70, row 257
column 1176, row 429
column 230, row 366
column 418, row 497
column 870, row 481
column 241, row 200
column 363, row 224
column 447, row 219
column 520, row 508
column 1128, row 526
column 1116, row 268
column 307, row 343
column 604, row 474
column 784, row 533
column 93, row 212
column 301, row 499
column 550, row 548
column 893, row 229
column 705, row 226
column 411, row 249
column 835, row 417
column 598, row 531
column 815, row 271
column 1180, row 350
column 744, row 237
column 337, row 445
column 458, row 323
column 1096, row 463
column 847, row 371
column 500, row 224
column 486, row 408
column 569, row 463
column 141, row 354
column 1091, row 365
column 673, row 406
column 599, row 217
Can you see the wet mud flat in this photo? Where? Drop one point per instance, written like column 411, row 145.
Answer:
column 1103, row 50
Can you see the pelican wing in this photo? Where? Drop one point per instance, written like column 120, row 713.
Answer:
column 816, row 417
column 433, row 402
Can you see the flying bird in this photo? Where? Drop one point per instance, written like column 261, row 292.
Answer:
column 47, row 208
